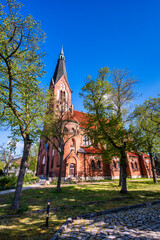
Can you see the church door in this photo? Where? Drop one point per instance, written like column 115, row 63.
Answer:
column 72, row 170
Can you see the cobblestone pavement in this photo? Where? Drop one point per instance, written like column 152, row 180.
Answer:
column 139, row 223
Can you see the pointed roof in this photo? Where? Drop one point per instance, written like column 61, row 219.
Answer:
column 60, row 68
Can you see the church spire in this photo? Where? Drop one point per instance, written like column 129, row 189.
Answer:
column 61, row 55
column 60, row 68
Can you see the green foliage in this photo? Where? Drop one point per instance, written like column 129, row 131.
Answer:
column 33, row 156
column 1, row 172
column 29, row 178
column 145, row 127
column 8, row 182
column 106, row 100
column 22, row 100
column 21, row 65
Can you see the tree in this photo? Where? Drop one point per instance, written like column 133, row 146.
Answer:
column 55, row 131
column 32, row 159
column 6, row 155
column 21, row 98
column 107, row 103
column 145, row 130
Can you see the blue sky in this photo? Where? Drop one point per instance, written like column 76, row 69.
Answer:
column 99, row 33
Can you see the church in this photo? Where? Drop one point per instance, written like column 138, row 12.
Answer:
column 81, row 161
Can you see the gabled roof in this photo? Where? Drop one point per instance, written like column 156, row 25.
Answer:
column 131, row 154
column 145, row 155
column 91, row 150
column 60, row 69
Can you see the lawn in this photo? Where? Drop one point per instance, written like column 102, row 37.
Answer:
column 71, row 201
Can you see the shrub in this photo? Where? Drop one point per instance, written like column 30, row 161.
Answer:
column 30, row 178
column 8, row 182
column 1, row 172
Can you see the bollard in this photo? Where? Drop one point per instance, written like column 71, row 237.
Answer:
column 47, row 217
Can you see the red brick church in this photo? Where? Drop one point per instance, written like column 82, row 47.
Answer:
column 80, row 160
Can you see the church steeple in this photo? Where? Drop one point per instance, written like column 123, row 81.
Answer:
column 61, row 55
column 60, row 68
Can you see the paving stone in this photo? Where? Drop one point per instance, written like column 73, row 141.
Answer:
column 140, row 223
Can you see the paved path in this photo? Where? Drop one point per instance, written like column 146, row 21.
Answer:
column 37, row 185
column 139, row 223
column 41, row 185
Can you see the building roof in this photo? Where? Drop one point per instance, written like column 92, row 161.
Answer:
column 80, row 117
column 60, row 68
column 91, row 150
column 145, row 155
column 131, row 154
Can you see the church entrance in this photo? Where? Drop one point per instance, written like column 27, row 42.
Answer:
column 72, row 170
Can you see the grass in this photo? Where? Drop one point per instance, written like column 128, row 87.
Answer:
column 24, row 224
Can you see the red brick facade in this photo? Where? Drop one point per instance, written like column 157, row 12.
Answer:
column 81, row 161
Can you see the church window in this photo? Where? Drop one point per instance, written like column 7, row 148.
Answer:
column 53, row 152
column 136, row 165
column 132, row 165
column 93, row 165
column 86, row 141
column 61, row 94
column 114, row 165
column 57, row 95
column 99, row 164
column 43, row 161
column 52, row 162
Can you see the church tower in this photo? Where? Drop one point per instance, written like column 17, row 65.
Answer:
column 60, row 85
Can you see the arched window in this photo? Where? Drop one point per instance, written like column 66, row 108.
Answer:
column 118, row 165
column 72, row 170
column 52, row 161
column 99, row 164
column 132, row 165
column 93, row 165
column 61, row 94
column 114, row 165
column 44, row 159
column 135, row 164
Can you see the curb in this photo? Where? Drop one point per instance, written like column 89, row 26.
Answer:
column 96, row 214
column 62, row 228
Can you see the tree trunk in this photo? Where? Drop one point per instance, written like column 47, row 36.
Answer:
column 124, row 179
column 123, row 164
column 120, row 176
column 153, row 168
column 16, row 200
column 60, row 172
